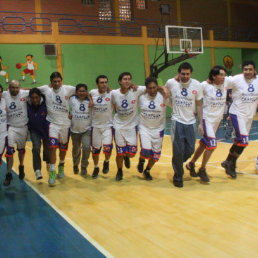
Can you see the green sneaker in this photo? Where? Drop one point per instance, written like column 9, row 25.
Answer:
column 60, row 170
column 52, row 177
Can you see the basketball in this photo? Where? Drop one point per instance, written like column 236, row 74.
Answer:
column 18, row 65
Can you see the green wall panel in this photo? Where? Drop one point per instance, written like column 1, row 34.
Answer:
column 16, row 53
column 250, row 54
column 235, row 53
column 83, row 63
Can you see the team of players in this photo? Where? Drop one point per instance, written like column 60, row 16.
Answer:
column 78, row 113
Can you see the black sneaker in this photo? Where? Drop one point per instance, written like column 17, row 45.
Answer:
column 140, row 165
column 8, row 179
column 230, row 168
column 127, row 162
column 191, row 167
column 95, row 173
column 119, row 175
column 147, row 175
column 21, row 172
column 178, row 183
column 203, row 175
column 105, row 169
column 75, row 169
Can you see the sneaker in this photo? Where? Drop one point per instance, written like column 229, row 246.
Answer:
column 21, row 172
column 52, row 177
column 191, row 167
column 230, row 168
column 38, row 174
column 203, row 175
column 178, row 183
column 95, row 173
column 60, row 170
column 75, row 169
column 105, row 169
column 119, row 175
column 8, row 179
column 83, row 171
column 147, row 175
column 127, row 162
column 140, row 165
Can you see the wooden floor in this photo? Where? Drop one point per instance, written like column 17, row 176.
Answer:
column 136, row 218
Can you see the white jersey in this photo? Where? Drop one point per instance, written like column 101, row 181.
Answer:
column 3, row 118
column 30, row 65
column 126, row 116
column 16, row 108
column 102, row 111
column 81, row 120
column 214, row 100
column 57, row 102
column 244, row 95
column 153, row 111
column 183, row 97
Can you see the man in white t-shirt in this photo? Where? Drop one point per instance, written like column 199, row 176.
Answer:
column 214, row 100
column 186, row 97
column 125, row 100
column 57, row 102
column 102, row 124
column 17, row 119
column 242, row 110
column 151, row 126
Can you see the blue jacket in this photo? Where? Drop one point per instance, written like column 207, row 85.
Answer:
column 37, row 119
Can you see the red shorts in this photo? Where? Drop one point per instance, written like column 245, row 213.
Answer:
column 28, row 71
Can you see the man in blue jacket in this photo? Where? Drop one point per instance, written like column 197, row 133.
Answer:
column 38, row 128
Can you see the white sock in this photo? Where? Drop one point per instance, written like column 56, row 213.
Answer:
column 23, row 77
column 52, row 167
column 61, row 162
column 106, row 160
column 96, row 166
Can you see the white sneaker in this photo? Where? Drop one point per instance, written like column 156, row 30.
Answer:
column 38, row 174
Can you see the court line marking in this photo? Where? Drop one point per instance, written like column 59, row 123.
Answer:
column 68, row 220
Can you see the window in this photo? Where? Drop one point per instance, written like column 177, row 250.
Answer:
column 87, row 2
column 105, row 10
column 140, row 4
column 124, row 10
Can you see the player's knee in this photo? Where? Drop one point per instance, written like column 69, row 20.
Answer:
column 130, row 155
column 239, row 149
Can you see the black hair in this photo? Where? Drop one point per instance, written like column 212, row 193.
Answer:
column 120, row 77
column 35, row 91
column 149, row 80
column 1, row 87
column 248, row 62
column 101, row 77
column 215, row 71
column 81, row 85
column 185, row 66
column 30, row 55
column 55, row 75
column 0, row 57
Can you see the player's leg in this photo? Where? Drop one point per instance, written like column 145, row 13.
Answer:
column 177, row 138
column 121, row 151
column 76, row 150
column 36, row 146
column 53, row 145
column 9, row 155
column 131, row 144
column 46, row 156
column 64, row 134
column 107, row 139
column 86, row 148
column 96, row 142
column 32, row 74
column 3, row 141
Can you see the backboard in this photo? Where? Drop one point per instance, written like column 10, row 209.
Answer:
column 180, row 39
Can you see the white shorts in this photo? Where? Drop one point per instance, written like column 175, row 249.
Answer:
column 3, row 73
column 242, row 128
column 101, row 136
column 126, row 141
column 16, row 135
column 58, row 136
column 209, row 136
column 151, row 143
